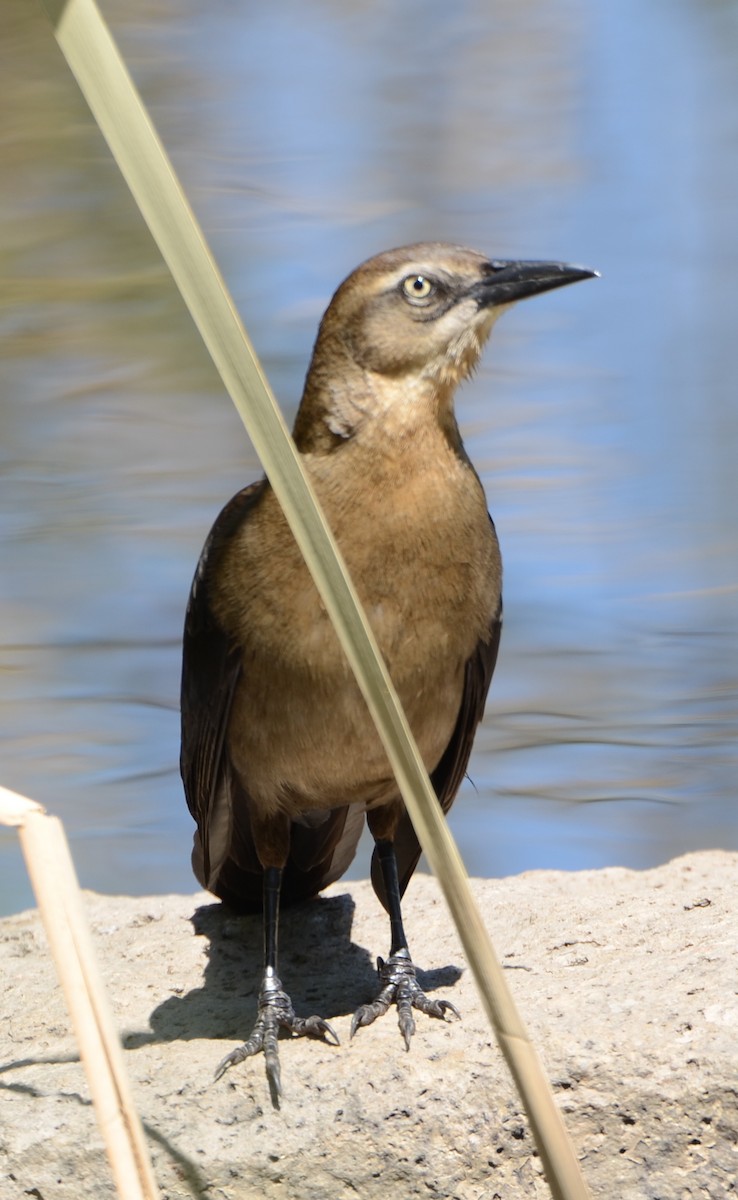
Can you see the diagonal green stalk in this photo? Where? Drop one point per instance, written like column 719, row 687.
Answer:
column 102, row 76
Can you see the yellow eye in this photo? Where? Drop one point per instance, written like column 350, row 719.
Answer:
column 417, row 287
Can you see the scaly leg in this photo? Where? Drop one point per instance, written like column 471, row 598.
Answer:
column 397, row 974
column 275, row 1006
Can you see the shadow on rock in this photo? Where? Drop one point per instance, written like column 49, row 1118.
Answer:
column 321, row 968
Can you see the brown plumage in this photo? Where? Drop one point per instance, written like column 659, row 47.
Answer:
column 280, row 759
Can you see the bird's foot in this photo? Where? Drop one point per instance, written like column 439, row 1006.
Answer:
column 400, row 987
column 275, row 1013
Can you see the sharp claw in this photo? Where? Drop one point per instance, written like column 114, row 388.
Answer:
column 230, row 1060
column 365, row 1015
column 407, row 1027
column 275, row 1012
column 323, row 1029
column 405, row 1010
column 271, row 1053
column 314, row 1027
column 400, row 987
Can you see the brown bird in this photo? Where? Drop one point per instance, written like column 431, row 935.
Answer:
column 280, row 759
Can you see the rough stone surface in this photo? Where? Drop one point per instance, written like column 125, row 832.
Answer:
column 627, row 982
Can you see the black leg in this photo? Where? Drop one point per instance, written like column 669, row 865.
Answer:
column 388, row 863
column 271, row 994
column 272, row 886
column 397, row 974
column 275, row 1006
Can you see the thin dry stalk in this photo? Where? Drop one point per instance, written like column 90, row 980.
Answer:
column 54, row 880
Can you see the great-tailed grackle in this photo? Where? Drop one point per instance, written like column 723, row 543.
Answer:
column 280, row 759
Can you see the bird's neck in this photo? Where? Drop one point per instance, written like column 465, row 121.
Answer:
column 344, row 401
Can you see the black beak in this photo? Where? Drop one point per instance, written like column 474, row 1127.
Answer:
column 506, row 282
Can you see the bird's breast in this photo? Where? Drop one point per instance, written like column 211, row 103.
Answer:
column 424, row 558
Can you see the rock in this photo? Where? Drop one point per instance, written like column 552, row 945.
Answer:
column 626, row 980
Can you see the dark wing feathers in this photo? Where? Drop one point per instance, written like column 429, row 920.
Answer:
column 448, row 775
column 224, row 858
column 211, row 666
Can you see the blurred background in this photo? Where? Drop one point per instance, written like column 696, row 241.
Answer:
column 604, row 422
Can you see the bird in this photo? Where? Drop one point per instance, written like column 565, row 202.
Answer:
column 280, row 760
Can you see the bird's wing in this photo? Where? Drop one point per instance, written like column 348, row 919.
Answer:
column 450, row 771
column 224, row 857
column 211, row 668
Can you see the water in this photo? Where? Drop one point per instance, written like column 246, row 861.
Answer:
column 604, row 421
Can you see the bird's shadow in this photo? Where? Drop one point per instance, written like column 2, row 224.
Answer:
column 323, row 971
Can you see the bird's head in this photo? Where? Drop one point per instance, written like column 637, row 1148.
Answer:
column 409, row 325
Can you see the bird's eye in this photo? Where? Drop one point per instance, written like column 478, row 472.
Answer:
column 417, row 287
